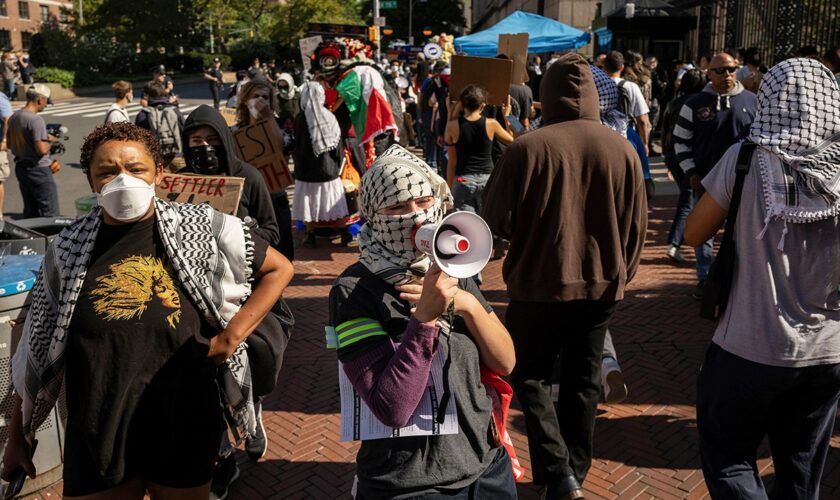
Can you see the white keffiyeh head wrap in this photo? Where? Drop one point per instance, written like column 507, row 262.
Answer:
column 323, row 126
column 385, row 241
column 611, row 117
column 797, row 129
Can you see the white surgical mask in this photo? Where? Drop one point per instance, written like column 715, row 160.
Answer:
column 126, row 198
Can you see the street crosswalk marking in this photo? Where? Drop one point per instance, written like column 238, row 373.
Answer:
column 88, row 109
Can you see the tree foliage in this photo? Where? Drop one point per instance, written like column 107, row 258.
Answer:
column 293, row 17
column 441, row 16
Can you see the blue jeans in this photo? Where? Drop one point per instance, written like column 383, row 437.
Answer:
column 704, row 253
column 9, row 88
column 467, row 191
column 740, row 401
column 684, row 204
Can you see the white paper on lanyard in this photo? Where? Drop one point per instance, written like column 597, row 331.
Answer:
column 359, row 423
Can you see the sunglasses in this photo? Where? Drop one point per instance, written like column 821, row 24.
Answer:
column 721, row 71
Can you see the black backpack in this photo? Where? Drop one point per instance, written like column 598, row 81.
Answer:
column 625, row 103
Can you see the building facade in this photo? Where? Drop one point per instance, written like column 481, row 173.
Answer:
column 21, row 19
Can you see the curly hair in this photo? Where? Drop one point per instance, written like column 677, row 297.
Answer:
column 121, row 131
column 243, row 117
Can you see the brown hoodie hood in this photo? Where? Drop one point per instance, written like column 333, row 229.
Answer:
column 568, row 92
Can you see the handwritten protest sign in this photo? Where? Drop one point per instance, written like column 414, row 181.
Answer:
column 307, row 48
column 229, row 114
column 221, row 192
column 516, row 48
column 491, row 73
column 261, row 145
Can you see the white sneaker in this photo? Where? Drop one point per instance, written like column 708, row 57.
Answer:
column 674, row 253
column 612, row 381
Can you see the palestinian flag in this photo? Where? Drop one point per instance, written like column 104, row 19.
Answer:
column 363, row 91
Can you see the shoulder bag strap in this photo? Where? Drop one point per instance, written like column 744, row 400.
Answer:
column 742, row 168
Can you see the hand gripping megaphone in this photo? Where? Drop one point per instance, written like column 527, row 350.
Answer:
column 460, row 245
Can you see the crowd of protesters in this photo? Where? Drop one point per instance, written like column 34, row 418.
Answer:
column 186, row 302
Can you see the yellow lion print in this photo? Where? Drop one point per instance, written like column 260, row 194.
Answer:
column 126, row 291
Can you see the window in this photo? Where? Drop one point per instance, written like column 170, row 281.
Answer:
column 23, row 10
column 5, row 40
column 26, row 40
column 62, row 15
column 45, row 13
column 3, row 11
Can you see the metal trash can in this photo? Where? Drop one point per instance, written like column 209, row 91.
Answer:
column 21, row 253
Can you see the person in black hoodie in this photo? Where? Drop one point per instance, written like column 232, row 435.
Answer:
column 210, row 150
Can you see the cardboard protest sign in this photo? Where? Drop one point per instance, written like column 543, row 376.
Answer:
column 221, row 192
column 491, row 73
column 229, row 114
column 307, row 48
column 261, row 145
column 516, row 48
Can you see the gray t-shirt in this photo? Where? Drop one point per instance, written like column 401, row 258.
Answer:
column 784, row 309
column 26, row 127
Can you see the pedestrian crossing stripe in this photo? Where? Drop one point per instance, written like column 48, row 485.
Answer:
column 89, row 109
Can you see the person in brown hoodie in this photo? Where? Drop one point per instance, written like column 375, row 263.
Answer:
column 570, row 197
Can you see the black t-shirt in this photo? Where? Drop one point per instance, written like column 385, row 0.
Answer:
column 407, row 466
column 139, row 384
column 215, row 73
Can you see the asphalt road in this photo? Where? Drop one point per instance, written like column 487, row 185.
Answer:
column 81, row 115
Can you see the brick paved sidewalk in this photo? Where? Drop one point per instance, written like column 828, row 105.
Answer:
column 644, row 448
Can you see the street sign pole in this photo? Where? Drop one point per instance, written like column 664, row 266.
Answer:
column 375, row 17
column 410, row 14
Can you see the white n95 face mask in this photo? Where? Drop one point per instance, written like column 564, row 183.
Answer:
column 126, row 198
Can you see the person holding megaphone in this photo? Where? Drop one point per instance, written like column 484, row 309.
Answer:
column 393, row 316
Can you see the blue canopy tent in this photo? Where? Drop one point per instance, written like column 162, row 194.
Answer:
column 544, row 35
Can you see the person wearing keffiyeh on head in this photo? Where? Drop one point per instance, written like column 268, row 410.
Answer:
column 389, row 314
column 319, row 158
column 774, row 365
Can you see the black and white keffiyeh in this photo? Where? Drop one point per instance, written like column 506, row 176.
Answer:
column 385, row 241
column 323, row 125
column 797, row 129
column 611, row 117
column 211, row 254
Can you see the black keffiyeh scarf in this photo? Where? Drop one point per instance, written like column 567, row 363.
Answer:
column 387, row 249
column 211, row 254
column 797, row 129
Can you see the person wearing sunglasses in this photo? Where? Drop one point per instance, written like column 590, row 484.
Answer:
column 708, row 124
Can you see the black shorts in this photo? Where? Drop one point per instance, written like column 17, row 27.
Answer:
column 173, row 441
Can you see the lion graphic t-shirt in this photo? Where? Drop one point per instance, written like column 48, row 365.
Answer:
column 139, row 382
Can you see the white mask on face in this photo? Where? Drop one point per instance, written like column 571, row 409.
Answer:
column 126, row 198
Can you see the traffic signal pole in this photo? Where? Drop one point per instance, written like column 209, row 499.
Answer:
column 376, row 27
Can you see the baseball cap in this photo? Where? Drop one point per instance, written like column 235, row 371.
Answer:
column 38, row 89
column 216, row 59
column 160, row 69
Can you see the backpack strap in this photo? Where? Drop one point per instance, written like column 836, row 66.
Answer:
column 742, row 168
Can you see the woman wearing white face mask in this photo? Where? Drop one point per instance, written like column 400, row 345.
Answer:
column 387, row 347
column 141, row 309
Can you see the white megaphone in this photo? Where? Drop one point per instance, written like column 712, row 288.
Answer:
column 461, row 244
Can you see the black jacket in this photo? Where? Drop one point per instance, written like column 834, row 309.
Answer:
column 308, row 167
column 255, row 201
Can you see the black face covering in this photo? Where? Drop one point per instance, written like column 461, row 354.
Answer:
column 208, row 160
